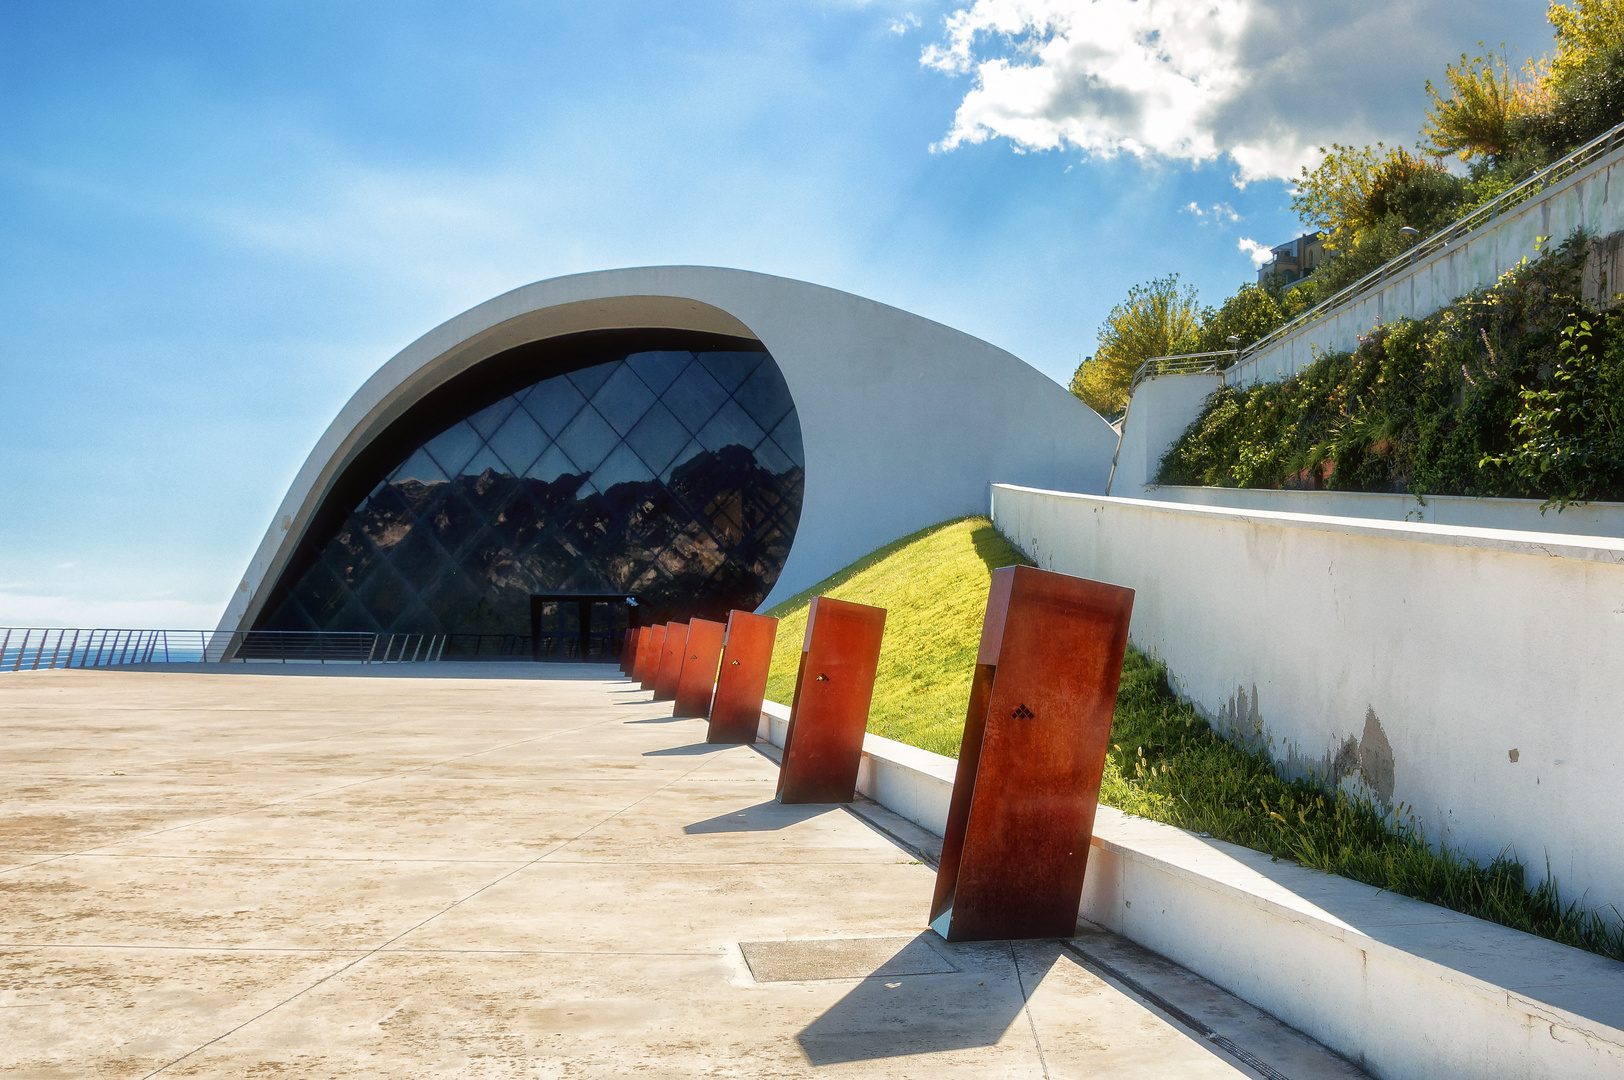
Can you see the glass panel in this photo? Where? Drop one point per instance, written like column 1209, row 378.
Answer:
column 659, row 369
column 553, row 403
column 657, row 438
column 419, row 467
column 765, row 396
column 788, row 437
column 730, row 427
column 519, row 441
column 623, row 399
column 731, row 368
column 552, row 464
column 683, row 459
column 695, row 397
column 587, row 440
column 587, row 380
column 485, row 460
column 453, row 447
column 771, row 458
column 621, row 467
column 487, row 420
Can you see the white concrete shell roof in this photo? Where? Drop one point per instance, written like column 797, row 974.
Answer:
column 905, row 422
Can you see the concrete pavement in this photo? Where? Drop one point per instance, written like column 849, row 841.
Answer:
column 494, row 871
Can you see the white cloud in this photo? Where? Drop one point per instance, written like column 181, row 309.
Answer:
column 1258, row 253
column 1263, row 82
column 907, row 22
column 1220, row 212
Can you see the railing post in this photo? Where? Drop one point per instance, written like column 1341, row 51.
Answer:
column 18, row 665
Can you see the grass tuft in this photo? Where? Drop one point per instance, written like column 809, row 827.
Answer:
column 1165, row 763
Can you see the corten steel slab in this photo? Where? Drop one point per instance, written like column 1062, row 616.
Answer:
column 1035, row 737
column 648, row 657
column 628, row 650
column 698, row 678
column 672, row 651
column 741, row 686
column 824, row 744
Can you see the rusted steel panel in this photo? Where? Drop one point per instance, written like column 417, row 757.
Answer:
column 628, row 650
column 824, row 744
column 741, row 686
column 698, row 678
column 672, row 650
column 1035, row 737
column 648, row 657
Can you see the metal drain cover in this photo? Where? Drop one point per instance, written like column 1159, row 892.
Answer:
column 842, row 958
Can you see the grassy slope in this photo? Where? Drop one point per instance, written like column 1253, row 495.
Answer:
column 933, row 586
column 1165, row 762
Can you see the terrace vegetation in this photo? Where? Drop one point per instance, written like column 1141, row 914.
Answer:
column 1165, row 763
column 1516, row 390
column 1373, row 203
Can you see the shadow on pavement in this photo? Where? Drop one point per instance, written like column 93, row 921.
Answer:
column 762, row 817
column 888, row 1017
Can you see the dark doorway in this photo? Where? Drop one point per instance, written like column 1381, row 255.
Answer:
column 579, row 628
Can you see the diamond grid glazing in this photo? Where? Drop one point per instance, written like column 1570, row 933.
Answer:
column 653, row 474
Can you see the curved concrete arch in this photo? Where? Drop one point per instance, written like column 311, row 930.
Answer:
column 904, row 421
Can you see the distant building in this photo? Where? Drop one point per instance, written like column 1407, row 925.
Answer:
column 1294, row 260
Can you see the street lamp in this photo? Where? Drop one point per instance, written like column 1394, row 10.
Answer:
column 1410, row 232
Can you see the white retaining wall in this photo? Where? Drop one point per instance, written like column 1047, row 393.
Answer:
column 1591, row 199
column 1592, row 519
column 1474, row 675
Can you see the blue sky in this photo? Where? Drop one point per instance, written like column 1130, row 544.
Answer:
column 217, row 219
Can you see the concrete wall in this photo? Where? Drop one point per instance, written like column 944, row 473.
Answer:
column 1593, row 519
column 904, row 421
column 1591, row 199
column 1159, row 412
column 1472, row 675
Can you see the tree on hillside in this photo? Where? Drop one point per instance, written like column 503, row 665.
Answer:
column 1506, row 123
column 1251, row 313
column 1157, row 319
column 1484, row 107
column 1363, row 199
column 1585, row 31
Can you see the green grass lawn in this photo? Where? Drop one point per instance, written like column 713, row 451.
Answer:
column 1165, row 762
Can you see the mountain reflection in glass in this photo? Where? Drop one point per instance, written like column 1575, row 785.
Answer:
column 670, row 475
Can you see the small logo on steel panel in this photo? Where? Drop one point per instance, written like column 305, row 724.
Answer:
column 1021, row 713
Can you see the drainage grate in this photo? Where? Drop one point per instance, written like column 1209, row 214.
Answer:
column 842, row 958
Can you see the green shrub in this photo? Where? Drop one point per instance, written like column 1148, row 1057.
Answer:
column 1510, row 391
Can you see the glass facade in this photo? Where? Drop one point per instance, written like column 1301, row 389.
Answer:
column 672, row 475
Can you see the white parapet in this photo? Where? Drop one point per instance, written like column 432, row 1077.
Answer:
column 1468, row 676
column 1527, row 515
column 1409, row 990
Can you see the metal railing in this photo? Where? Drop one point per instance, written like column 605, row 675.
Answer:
column 33, row 648
column 1516, row 195
column 1182, row 364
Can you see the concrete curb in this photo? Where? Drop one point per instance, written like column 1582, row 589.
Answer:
column 1407, row 989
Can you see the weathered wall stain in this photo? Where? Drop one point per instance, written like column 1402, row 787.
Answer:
column 1360, row 764
column 1376, row 758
